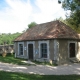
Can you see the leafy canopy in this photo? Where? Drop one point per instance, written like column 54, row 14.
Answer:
column 8, row 38
column 74, row 7
column 32, row 24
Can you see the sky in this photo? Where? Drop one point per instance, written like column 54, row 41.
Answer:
column 15, row 15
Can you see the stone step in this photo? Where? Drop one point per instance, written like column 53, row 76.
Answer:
column 74, row 60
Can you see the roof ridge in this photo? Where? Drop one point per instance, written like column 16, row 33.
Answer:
column 48, row 22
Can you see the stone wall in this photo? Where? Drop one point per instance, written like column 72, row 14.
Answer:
column 7, row 48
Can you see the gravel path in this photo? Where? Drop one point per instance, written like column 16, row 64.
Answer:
column 42, row 69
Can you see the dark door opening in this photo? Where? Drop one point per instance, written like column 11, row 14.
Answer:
column 72, row 50
column 30, row 51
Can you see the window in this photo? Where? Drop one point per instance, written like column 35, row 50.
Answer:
column 43, row 50
column 20, row 49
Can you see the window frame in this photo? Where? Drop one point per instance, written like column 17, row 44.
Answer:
column 75, row 48
column 43, row 50
column 31, row 42
column 19, row 48
column 42, row 42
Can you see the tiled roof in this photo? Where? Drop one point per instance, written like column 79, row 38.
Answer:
column 50, row 30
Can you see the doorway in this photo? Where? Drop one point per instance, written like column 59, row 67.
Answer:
column 72, row 50
column 30, row 51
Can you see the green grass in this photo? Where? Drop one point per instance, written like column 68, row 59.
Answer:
column 44, row 63
column 20, row 76
column 12, row 59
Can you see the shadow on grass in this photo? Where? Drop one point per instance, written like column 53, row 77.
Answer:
column 13, row 60
column 20, row 76
column 44, row 63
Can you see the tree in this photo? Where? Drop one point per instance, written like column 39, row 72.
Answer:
column 8, row 38
column 32, row 24
column 59, row 1
column 65, row 21
column 74, row 7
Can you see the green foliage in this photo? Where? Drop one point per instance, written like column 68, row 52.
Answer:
column 59, row 1
column 32, row 24
column 67, row 22
column 8, row 38
column 71, row 5
column 21, row 76
column 74, row 7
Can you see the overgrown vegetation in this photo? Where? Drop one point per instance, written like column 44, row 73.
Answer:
column 8, row 38
column 73, row 6
column 20, row 76
column 66, row 21
column 32, row 24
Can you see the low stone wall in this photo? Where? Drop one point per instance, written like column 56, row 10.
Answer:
column 7, row 48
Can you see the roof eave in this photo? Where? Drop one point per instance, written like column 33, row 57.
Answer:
column 49, row 39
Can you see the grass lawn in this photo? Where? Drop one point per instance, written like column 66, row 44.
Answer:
column 20, row 76
column 44, row 63
column 12, row 59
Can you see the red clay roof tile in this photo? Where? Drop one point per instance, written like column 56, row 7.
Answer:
column 50, row 30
